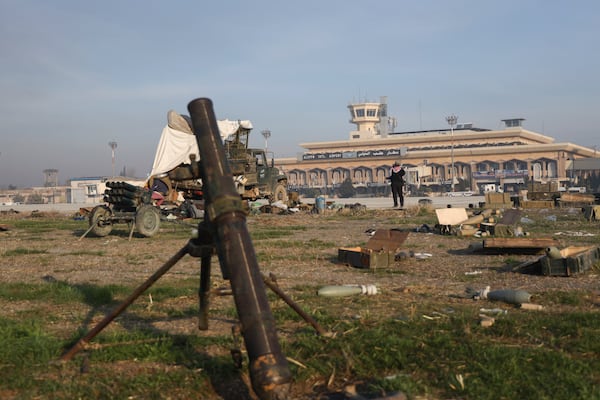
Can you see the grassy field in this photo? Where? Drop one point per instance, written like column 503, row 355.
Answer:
column 413, row 338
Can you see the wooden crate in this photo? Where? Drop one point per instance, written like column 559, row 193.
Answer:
column 519, row 244
column 380, row 250
column 574, row 260
column 360, row 257
column 537, row 204
column 592, row 213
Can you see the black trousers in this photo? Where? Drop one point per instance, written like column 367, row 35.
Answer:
column 398, row 194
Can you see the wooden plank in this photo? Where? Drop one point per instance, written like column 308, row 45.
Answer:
column 577, row 198
column 520, row 243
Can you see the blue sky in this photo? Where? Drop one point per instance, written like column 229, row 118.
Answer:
column 75, row 75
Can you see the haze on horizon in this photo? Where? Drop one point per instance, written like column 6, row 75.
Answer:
column 77, row 75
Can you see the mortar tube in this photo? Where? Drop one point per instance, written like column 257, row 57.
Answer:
column 269, row 370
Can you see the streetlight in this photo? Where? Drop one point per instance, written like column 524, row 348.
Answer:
column 451, row 119
column 113, row 146
column 267, row 134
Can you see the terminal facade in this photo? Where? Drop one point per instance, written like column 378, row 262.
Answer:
column 460, row 158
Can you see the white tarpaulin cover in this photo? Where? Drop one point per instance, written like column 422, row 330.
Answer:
column 175, row 146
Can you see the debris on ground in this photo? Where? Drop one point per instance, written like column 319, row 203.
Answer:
column 11, row 211
column 352, row 209
column 486, row 321
column 531, row 306
column 494, row 311
column 347, row 290
column 424, row 229
column 482, row 223
column 423, row 256
column 351, row 393
column 82, row 213
column 403, row 255
column 574, row 233
column 510, row 296
column 591, row 213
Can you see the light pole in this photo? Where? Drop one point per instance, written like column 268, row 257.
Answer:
column 572, row 180
column 113, row 146
column 267, row 134
column 451, row 119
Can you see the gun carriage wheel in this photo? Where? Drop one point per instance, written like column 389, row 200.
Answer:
column 100, row 220
column 147, row 220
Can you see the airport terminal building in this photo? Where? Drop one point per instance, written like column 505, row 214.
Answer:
column 460, row 158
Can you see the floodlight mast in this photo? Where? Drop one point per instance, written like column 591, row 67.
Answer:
column 113, row 145
column 266, row 134
column 451, row 119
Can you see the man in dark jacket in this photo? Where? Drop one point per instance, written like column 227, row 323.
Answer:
column 397, row 180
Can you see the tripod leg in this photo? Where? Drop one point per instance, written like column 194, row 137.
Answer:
column 272, row 284
column 204, row 292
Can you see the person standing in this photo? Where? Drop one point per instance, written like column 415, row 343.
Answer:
column 397, row 181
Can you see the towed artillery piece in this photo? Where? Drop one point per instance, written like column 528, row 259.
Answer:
column 174, row 188
column 134, row 205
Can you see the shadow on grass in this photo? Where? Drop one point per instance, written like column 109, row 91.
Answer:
column 226, row 380
column 121, row 233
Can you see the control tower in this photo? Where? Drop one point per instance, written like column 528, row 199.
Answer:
column 50, row 177
column 371, row 120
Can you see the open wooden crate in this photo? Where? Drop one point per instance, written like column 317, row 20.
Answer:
column 380, row 250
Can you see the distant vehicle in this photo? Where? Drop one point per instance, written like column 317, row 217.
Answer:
column 492, row 187
column 465, row 193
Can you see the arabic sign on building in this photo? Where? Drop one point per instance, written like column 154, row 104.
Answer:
column 501, row 173
column 355, row 154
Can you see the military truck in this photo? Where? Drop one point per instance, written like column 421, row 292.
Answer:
column 254, row 175
column 174, row 186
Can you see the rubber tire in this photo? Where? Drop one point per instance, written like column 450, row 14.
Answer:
column 100, row 221
column 280, row 194
column 147, row 220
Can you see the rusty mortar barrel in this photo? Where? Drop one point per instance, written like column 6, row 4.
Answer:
column 269, row 370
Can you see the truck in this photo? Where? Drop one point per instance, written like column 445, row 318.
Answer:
column 174, row 187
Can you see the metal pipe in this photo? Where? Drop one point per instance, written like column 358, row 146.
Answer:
column 269, row 370
column 204, row 292
column 272, row 284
